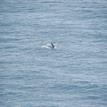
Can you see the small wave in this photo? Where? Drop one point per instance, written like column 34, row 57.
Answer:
column 45, row 46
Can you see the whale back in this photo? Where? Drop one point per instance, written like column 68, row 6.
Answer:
column 52, row 45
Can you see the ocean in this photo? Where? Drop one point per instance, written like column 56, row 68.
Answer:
column 74, row 74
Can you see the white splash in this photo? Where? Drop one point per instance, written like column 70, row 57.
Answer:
column 48, row 46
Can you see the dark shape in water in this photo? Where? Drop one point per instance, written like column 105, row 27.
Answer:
column 52, row 46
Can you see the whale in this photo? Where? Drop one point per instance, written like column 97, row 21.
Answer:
column 52, row 46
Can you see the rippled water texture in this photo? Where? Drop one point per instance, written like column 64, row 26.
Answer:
column 74, row 74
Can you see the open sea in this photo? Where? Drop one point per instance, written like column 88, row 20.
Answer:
column 74, row 74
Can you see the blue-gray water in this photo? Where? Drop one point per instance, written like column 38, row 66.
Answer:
column 72, row 75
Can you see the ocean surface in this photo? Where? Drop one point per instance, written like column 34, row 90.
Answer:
column 74, row 74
